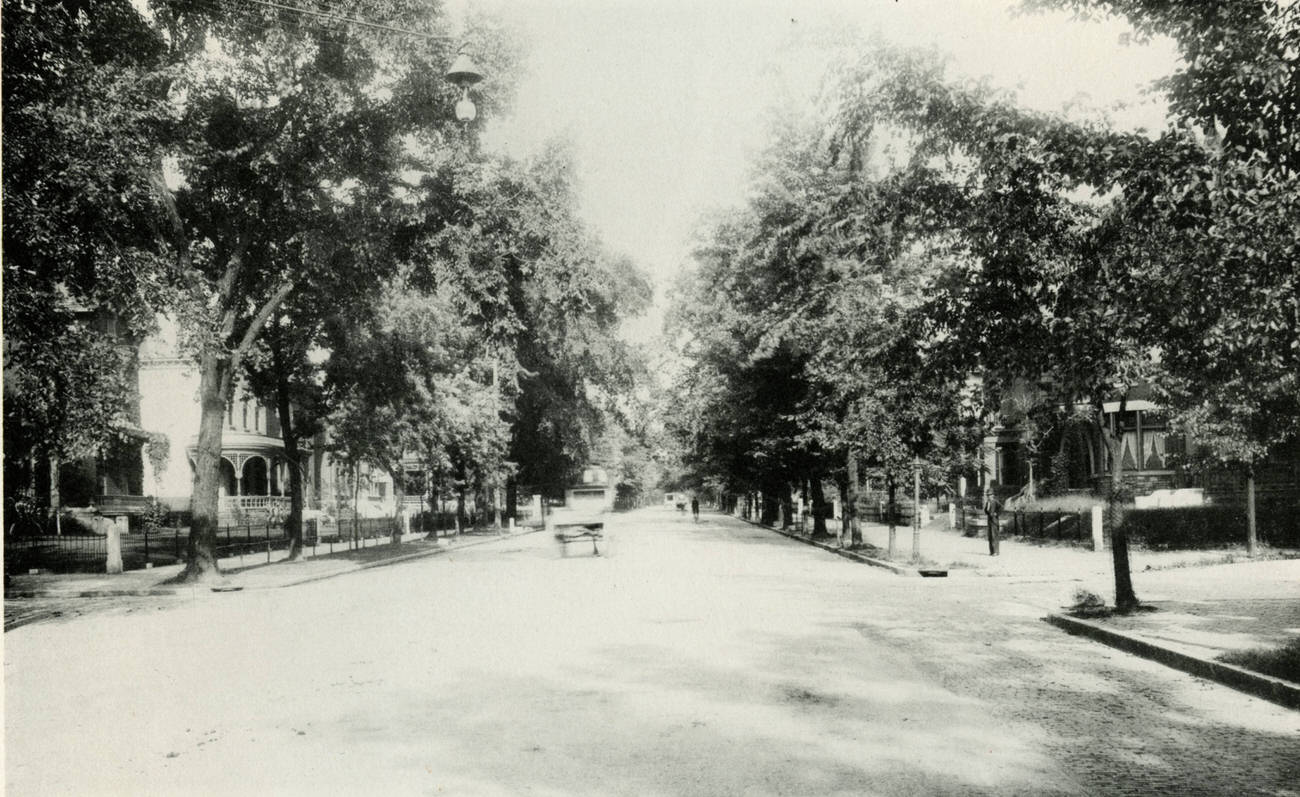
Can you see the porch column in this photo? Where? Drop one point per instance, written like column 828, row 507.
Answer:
column 147, row 476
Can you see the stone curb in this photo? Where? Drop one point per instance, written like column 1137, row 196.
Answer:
column 897, row 569
column 1267, row 687
column 91, row 593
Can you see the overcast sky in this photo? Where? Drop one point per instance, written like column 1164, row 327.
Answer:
column 664, row 99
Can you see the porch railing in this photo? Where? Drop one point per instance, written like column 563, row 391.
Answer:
column 245, row 504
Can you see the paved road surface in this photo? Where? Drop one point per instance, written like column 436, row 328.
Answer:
column 712, row 658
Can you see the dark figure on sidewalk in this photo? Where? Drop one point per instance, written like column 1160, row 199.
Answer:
column 991, row 509
column 695, row 509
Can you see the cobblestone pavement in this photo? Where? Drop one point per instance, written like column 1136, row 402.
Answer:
column 706, row 659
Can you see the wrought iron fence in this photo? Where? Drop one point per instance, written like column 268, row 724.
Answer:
column 1060, row 526
column 72, row 552
column 86, row 552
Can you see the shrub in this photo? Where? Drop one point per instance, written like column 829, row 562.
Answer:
column 1212, row 526
column 1283, row 662
column 1087, row 603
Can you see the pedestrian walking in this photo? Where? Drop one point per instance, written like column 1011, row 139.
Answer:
column 695, row 508
column 991, row 509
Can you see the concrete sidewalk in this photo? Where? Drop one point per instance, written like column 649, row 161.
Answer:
column 248, row 572
column 1199, row 606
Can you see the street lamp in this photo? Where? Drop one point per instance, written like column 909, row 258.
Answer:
column 464, row 73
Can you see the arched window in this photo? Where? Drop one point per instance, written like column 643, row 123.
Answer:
column 227, row 486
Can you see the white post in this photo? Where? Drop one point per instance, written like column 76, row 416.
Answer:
column 952, row 515
column 113, row 544
column 1098, row 541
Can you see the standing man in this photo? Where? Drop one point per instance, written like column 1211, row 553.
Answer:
column 695, row 508
column 991, row 509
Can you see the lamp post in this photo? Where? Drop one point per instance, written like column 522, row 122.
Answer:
column 464, row 73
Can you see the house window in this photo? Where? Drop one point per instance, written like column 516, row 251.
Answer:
column 1130, row 447
column 244, row 404
column 1155, row 440
column 1153, row 449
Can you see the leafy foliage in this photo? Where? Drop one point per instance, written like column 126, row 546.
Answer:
column 82, row 112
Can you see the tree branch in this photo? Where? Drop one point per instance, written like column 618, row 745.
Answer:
column 158, row 183
column 234, row 265
column 259, row 320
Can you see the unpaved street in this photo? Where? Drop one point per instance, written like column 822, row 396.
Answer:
column 712, row 659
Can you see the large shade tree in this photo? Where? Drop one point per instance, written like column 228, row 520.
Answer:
column 1209, row 213
column 83, row 111
column 284, row 134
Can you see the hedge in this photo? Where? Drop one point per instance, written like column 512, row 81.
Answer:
column 1212, row 526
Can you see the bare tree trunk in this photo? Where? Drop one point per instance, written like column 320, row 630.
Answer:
column 893, row 531
column 356, row 498
column 399, row 499
column 916, row 511
column 818, row 506
column 293, row 526
column 214, row 382
column 770, row 511
column 461, row 517
column 1125, row 599
column 512, row 498
column 845, row 533
column 1252, row 541
column 851, row 501
column 56, row 498
column 436, row 508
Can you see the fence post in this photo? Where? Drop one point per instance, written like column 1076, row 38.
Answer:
column 268, row 541
column 147, row 565
column 1098, row 541
column 113, row 544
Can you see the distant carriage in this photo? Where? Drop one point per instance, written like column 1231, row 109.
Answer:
column 586, row 504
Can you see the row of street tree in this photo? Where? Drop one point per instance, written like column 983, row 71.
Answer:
column 926, row 250
column 300, row 197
